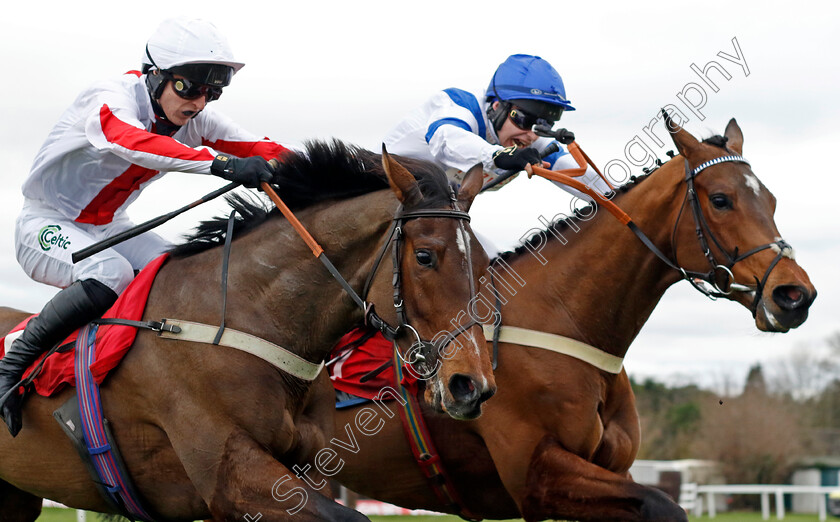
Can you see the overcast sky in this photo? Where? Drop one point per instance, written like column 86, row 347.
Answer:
column 352, row 69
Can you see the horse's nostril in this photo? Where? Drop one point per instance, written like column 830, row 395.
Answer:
column 462, row 387
column 790, row 297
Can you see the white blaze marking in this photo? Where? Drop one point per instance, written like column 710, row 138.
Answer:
column 753, row 183
column 476, row 346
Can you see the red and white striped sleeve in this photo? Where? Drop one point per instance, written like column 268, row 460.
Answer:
column 119, row 131
column 222, row 134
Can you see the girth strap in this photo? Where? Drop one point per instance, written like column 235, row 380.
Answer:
column 275, row 355
column 556, row 343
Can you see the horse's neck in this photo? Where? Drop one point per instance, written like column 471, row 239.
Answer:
column 601, row 286
column 292, row 295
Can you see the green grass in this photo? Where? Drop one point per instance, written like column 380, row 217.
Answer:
column 65, row 515
column 61, row 515
column 69, row 515
column 398, row 518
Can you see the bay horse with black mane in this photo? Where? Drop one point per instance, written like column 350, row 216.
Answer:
column 212, row 432
column 558, row 439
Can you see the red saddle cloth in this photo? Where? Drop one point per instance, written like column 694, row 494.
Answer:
column 112, row 341
column 354, row 363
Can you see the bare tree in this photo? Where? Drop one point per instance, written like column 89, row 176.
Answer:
column 757, row 437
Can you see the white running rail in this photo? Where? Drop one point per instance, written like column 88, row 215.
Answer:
column 691, row 496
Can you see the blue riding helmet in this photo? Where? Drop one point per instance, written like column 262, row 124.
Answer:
column 527, row 77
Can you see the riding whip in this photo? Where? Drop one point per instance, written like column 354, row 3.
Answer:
column 148, row 225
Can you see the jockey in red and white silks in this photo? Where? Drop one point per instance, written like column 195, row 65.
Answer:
column 105, row 149
column 117, row 137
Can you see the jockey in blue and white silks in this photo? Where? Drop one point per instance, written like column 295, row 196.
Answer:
column 458, row 129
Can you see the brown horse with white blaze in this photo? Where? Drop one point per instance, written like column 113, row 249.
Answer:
column 212, row 432
column 558, row 439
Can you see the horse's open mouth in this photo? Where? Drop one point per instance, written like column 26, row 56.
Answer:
column 787, row 309
column 461, row 400
column 779, row 322
column 466, row 412
column 442, row 402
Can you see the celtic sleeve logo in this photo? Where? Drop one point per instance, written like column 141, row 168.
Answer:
column 50, row 236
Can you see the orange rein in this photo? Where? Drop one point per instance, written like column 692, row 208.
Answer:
column 566, row 176
column 298, row 226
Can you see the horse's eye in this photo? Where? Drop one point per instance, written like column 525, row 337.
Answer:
column 425, row 257
column 721, row 201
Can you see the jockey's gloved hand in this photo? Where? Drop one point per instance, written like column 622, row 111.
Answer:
column 564, row 136
column 250, row 171
column 513, row 158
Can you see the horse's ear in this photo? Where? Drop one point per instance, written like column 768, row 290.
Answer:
column 735, row 139
column 402, row 182
column 471, row 186
column 684, row 141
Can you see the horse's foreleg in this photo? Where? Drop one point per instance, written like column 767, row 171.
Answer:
column 247, row 483
column 17, row 505
column 622, row 435
column 565, row 486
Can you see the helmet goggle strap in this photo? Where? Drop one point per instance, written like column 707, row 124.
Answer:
column 499, row 115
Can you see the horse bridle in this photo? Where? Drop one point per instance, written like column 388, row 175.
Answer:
column 711, row 288
column 421, row 351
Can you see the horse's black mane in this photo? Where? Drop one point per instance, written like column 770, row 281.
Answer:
column 717, row 141
column 568, row 223
column 322, row 171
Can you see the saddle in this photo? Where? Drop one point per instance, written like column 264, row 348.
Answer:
column 361, row 365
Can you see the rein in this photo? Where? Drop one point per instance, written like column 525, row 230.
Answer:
column 704, row 282
column 421, row 350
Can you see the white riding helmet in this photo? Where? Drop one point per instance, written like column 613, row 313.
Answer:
column 182, row 40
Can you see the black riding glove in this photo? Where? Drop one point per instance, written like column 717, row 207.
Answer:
column 250, row 171
column 512, row 158
column 564, row 136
